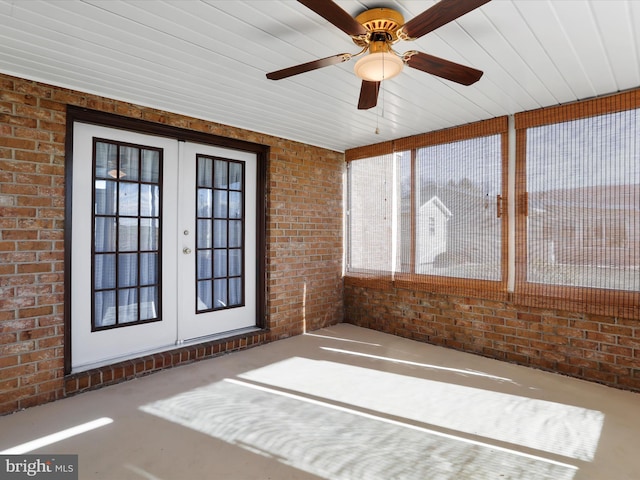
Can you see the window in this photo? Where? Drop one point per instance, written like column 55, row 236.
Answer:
column 371, row 215
column 430, row 212
column 126, row 243
column 433, row 210
column 220, row 224
column 581, row 219
column 458, row 229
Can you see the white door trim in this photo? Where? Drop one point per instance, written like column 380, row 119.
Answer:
column 74, row 240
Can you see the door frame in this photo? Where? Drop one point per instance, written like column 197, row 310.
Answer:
column 84, row 115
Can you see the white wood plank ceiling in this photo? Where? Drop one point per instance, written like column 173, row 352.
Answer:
column 208, row 59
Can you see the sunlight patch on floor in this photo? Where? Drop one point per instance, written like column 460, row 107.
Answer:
column 338, row 443
column 418, row 364
column 57, row 437
column 342, row 339
column 547, row 426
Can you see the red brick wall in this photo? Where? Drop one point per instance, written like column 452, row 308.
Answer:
column 304, row 237
column 591, row 347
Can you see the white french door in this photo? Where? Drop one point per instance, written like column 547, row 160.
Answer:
column 217, row 231
column 163, row 243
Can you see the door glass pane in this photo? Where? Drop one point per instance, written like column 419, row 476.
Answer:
column 105, row 308
column 235, row 204
column 220, row 217
column 105, row 194
column 235, row 291
column 129, row 163
column 204, row 234
column 128, row 305
column 127, row 270
column 105, row 234
column 219, row 233
column 148, row 268
column 235, row 234
column 149, row 200
column 106, row 161
column 205, row 299
column 220, row 202
column 150, row 166
column 236, row 174
column 221, row 177
column 105, row 271
column 220, row 263
column 204, row 202
column 148, row 303
column 149, row 233
column 128, row 199
column 205, row 172
column 126, row 236
column 235, row 262
column 203, row 266
column 220, row 293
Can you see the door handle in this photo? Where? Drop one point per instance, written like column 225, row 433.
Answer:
column 186, row 250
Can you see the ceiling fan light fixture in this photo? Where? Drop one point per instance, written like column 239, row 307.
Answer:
column 376, row 30
column 378, row 66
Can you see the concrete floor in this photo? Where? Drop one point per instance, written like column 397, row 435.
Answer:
column 342, row 403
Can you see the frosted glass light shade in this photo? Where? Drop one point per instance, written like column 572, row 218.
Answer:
column 378, row 66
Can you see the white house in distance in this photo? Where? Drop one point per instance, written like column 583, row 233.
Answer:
column 432, row 222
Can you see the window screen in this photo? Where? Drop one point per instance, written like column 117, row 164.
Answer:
column 583, row 216
column 372, row 211
column 458, row 227
column 430, row 211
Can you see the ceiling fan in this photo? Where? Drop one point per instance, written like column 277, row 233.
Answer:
column 375, row 31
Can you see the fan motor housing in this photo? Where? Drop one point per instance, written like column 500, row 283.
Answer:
column 380, row 20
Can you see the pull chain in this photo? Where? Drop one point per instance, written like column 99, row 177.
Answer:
column 378, row 108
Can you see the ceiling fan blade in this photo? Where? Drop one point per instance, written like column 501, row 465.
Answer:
column 438, row 15
column 334, row 14
column 368, row 95
column 307, row 67
column 444, row 68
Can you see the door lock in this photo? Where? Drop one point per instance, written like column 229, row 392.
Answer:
column 186, row 250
